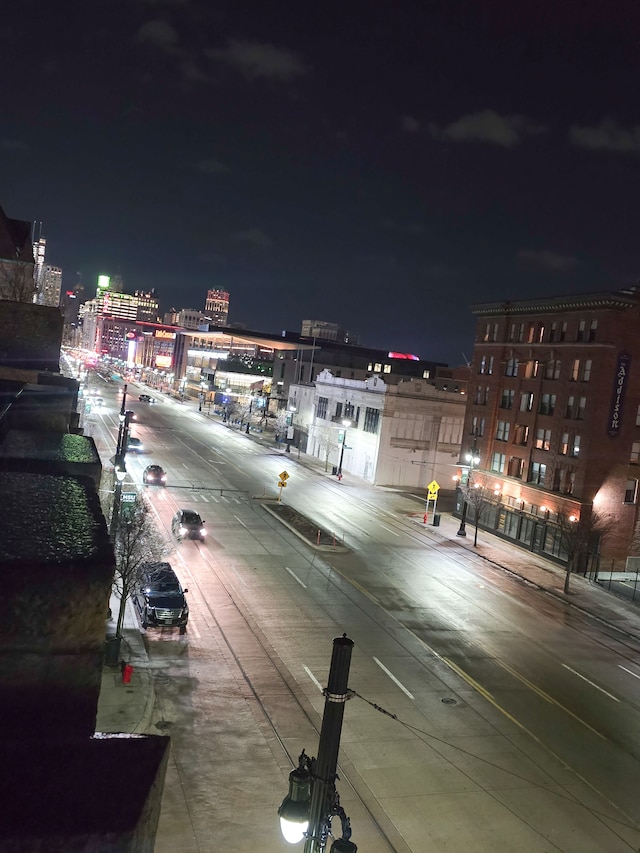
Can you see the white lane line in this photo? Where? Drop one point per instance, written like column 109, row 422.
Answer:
column 393, row 678
column 191, row 629
column 205, row 499
column 295, row 577
column 313, row 678
column 388, row 529
column 240, row 521
column 634, row 674
column 615, row 699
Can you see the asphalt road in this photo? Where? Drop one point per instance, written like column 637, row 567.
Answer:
column 487, row 716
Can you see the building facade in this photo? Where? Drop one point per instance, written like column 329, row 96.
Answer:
column 216, row 307
column 553, row 415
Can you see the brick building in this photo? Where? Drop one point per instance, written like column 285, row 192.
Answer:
column 554, row 411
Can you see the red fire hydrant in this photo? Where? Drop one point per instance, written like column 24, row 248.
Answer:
column 127, row 669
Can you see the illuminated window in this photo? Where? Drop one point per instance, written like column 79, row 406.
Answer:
column 502, row 431
column 387, row 368
column 635, row 453
column 631, row 492
column 498, row 462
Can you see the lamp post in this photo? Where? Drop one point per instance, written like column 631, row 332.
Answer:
column 472, row 458
column 306, row 812
column 346, row 423
column 120, row 472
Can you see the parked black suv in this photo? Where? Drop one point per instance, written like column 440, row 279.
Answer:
column 159, row 598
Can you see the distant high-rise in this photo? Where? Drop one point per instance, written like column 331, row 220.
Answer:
column 216, row 307
column 325, row 331
column 51, row 288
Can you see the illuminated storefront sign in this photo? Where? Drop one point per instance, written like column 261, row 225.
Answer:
column 405, row 355
column 163, row 361
column 619, row 388
column 165, row 336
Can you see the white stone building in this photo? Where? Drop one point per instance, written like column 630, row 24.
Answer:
column 405, row 435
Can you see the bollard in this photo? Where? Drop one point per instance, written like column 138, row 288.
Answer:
column 127, row 670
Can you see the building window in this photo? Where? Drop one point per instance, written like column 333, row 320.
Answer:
column 516, row 465
column 553, row 333
column 582, row 405
column 511, row 368
column 426, row 374
column 571, row 402
column 586, row 372
column 540, row 333
column 371, row 420
column 631, row 492
column 338, row 410
column 593, row 328
column 575, row 370
column 543, row 439
column 487, row 332
column 547, row 404
column 526, row 402
column 537, row 473
column 582, row 331
column 570, row 482
column 477, row 426
column 522, row 434
column 483, row 365
column 557, row 479
column 512, row 332
column 502, row 431
column 532, row 369
column 552, row 370
column 387, row 368
column 521, row 332
column 498, row 462
column 575, row 445
column 377, row 367
column 349, row 410
column 564, row 444
column 323, row 405
column 635, row 453
column 506, row 399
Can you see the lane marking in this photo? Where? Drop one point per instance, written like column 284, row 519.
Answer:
column 634, row 674
column 205, row 499
column 240, row 521
column 295, row 577
column 601, row 689
column 314, row 679
column 393, row 678
column 388, row 529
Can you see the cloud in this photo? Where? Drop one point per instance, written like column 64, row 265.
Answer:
column 488, row 126
column 13, row 144
column 412, row 228
column 607, row 136
column 252, row 237
column 159, row 34
column 410, row 124
column 255, row 59
column 550, row 261
column 212, row 167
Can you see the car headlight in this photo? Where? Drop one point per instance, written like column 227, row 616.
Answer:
column 164, row 478
column 203, row 532
column 182, row 530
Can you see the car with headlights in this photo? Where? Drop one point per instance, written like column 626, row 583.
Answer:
column 146, row 398
column 187, row 524
column 154, row 475
column 135, row 444
column 160, row 599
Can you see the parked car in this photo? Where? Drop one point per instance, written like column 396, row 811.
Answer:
column 135, row 444
column 187, row 524
column 146, row 398
column 159, row 598
column 154, row 475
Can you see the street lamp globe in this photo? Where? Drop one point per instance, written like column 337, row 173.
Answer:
column 294, row 809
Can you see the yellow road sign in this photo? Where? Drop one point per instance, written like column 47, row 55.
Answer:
column 433, row 486
column 283, row 476
column 283, row 484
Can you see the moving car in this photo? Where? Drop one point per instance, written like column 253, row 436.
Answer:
column 146, row 398
column 98, row 401
column 159, row 598
column 187, row 524
column 132, row 415
column 135, row 444
column 154, row 475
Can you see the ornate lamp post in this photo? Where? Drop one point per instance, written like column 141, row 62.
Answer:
column 472, row 459
column 312, row 801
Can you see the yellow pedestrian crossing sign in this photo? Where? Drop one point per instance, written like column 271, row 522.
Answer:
column 433, row 489
column 283, row 476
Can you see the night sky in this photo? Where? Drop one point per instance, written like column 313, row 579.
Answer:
column 382, row 165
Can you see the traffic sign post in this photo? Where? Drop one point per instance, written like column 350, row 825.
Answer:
column 282, row 483
column 432, row 497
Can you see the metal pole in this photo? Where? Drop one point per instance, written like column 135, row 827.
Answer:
column 344, row 441
column 115, row 512
column 325, row 765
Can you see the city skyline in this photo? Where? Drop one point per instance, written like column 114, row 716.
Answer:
column 382, row 168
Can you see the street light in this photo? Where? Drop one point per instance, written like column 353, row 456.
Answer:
column 120, row 472
column 307, row 810
column 346, row 423
column 472, row 458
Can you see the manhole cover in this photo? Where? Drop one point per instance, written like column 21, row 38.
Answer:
column 448, row 701
column 163, row 724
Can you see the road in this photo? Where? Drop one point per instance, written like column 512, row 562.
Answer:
column 486, row 714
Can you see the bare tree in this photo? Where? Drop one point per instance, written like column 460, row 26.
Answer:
column 579, row 538
column 17, row 283
column 481, row 498
column 135, row 541
column 327, row 439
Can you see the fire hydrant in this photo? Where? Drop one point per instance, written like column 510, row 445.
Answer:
column 127, row 670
